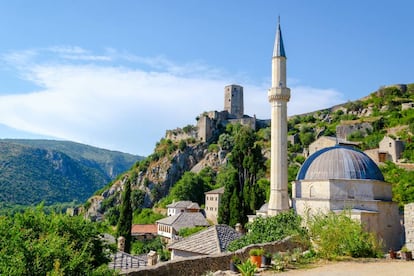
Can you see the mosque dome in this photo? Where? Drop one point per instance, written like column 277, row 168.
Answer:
column 339, row 162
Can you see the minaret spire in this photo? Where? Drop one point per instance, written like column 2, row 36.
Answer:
column 279, row 49
column 278, row 97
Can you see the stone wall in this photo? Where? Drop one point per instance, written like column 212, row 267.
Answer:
column 202, row 264
column 409, row 225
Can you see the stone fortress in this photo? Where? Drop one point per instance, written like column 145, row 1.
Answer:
column 209, row 123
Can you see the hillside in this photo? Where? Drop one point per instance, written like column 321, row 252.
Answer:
column 32, row 171
column 387, row 111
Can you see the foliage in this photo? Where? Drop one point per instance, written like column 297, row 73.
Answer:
column 137, row 199
column 145, row 246
column 242, row 193
column 58, row 171
column 188, row 231
column 295, row 259
column 270, row 229
column 247, row 268
column 191, row 187
column 125, row 217
column 403, row 186
column 182, row 145
column 146, row 216
column 227, row 178
column 213, row 148
column 226, row 141
column 35, row 243
column 339, row 235
column 256, row 252
column 408, row 153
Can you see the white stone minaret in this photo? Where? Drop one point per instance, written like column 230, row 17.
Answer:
column 278, row 96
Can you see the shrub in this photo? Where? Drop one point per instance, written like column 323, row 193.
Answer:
column 271, row 229
column 213, row 148
column 338, row 235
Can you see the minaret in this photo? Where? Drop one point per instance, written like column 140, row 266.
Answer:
column 278, row 96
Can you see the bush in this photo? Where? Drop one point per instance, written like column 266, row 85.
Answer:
column 338, row 235
column 270, row 229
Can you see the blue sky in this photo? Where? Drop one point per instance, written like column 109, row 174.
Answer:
column 118, row 74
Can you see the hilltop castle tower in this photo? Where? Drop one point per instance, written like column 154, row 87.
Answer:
column 278, row 97
column 233, row 100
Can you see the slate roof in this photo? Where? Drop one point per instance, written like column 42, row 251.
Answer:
column 184, row 204
column 216, row 191
column 184, row 219
column 214, row 239
column 339, row 162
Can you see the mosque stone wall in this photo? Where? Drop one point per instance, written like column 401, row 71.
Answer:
column 409, row 225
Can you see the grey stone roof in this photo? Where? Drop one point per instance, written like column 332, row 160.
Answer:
column 339, row 162
column 184, row 204
column 214, row 239
column 264, row 207
column 184, row 219
column 216, row 191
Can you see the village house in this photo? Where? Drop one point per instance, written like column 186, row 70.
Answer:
column 168, row 227
column 182, row 206
column 212, row 240
column 389, row 149
column 213, row 199
column 328, row 141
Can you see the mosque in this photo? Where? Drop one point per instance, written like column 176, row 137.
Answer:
column 332, row 179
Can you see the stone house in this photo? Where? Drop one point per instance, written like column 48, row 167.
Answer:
column 390, row 149
column 168, row 227
column 212, row 240
column 182, row 206
column 212, row 205
column 328, row 141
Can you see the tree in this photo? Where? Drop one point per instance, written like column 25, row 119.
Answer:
column 227, row 179
column 189, row 187
column 125, row 217
column 242, row 195
column 36, row 243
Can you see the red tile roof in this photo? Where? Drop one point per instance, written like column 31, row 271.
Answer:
column 137, row 229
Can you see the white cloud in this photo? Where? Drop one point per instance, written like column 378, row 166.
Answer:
column 124, row 107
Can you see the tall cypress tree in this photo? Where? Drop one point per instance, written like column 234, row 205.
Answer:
column 125, row 217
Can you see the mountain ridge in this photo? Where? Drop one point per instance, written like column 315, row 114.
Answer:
column 36, row 170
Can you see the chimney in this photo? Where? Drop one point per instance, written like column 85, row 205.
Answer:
column 121, row 244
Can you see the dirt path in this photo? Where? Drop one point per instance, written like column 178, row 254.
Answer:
column 352, row 268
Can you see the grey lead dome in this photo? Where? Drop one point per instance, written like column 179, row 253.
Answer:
column 339, row 162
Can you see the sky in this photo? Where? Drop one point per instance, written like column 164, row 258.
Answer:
column 118, row 74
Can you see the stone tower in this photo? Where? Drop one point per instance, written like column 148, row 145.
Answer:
column 278, row 97
column 233, row 101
